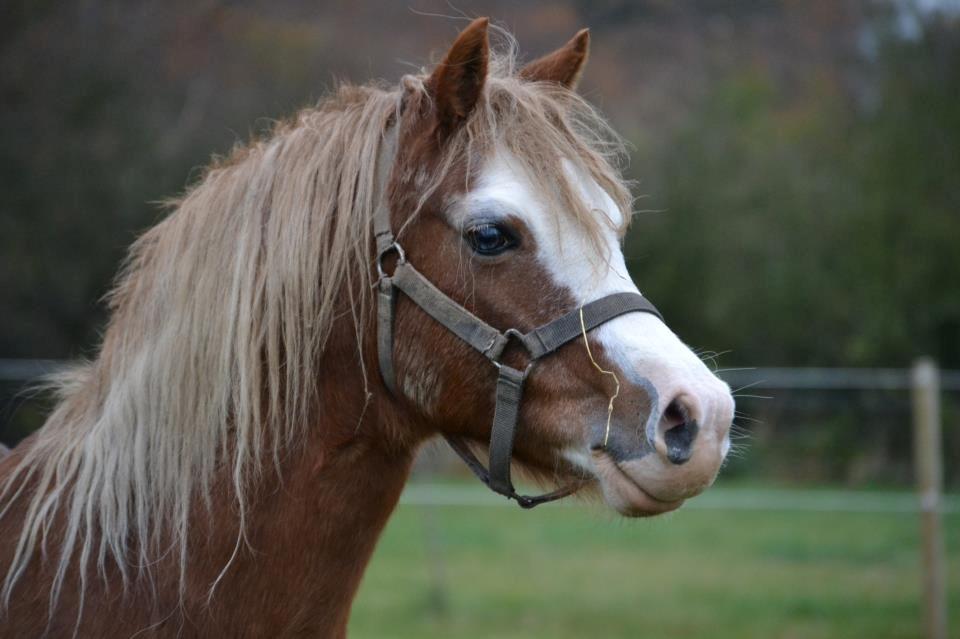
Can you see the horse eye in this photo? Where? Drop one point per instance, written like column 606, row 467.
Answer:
column 489, row 239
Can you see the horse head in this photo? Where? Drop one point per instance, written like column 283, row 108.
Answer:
column 506, row 198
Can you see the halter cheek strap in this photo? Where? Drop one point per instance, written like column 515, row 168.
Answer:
column 482, row 337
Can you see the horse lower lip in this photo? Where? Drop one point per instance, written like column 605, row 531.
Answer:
column 639, row 501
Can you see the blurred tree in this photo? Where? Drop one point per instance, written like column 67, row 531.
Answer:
column 808, row 228
column 802, row 158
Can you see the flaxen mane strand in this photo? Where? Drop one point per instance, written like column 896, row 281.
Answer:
column 222, row 312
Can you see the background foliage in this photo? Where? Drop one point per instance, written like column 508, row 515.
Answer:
column 797, row 165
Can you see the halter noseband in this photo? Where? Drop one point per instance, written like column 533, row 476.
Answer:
column 482, row 337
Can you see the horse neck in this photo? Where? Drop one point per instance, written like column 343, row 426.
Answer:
column 310, row 531
column 313, row 528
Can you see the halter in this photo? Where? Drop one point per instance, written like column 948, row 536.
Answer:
column 482, row 337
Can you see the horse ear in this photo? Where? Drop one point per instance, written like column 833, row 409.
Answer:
column 563, row 66
column 457, row 82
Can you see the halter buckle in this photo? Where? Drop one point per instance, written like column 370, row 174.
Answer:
column 513, row 334
column 393, row 247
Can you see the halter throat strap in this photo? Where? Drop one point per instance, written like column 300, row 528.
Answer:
column 487, row 340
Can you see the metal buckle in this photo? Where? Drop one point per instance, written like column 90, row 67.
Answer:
column 514, row 334
column 401, row 257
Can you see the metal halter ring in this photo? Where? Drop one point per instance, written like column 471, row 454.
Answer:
column 518, row 337
column 401, row 257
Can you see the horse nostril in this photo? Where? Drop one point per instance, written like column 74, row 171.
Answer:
column 675, row 415
column 678, row 430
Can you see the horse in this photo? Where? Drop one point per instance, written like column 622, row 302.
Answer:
column 321, row 303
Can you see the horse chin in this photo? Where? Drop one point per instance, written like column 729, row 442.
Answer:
column 624, row 494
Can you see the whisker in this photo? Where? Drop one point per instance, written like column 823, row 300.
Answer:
column 753, row 397
column 746, row 386
column 712, row 354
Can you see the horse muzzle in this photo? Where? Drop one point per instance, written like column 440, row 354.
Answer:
column 668, row 455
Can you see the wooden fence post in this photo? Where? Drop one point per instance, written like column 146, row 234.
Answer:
column 927, row 455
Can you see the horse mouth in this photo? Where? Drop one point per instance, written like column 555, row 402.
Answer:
column 624, row 494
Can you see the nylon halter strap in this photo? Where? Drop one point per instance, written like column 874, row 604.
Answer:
column 482, row 337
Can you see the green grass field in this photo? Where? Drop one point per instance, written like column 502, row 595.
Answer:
column 709, row 571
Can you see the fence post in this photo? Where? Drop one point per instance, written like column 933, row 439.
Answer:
column 927, row 455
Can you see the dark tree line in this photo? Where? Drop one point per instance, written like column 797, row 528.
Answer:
column 799, row 164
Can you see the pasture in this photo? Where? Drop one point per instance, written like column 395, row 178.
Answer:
column 724, row 566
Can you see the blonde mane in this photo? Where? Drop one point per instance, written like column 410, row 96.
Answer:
column 222, row 313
